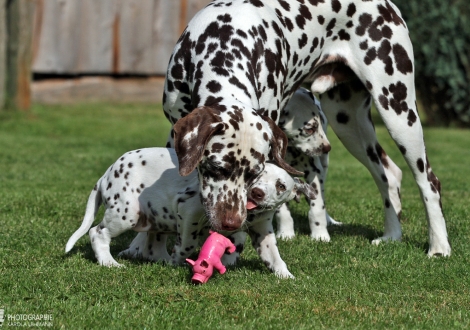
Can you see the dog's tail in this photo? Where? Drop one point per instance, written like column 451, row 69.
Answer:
column 92, row 206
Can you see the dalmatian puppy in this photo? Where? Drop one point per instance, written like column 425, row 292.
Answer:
column 238, row 63
column 143, row 191
column 305, row 125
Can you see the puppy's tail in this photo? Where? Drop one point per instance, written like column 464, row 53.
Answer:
column 92, row 206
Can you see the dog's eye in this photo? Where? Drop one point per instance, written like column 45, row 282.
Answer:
column 211, row 165
column 280, row 186
column 309, row 129
column 217, row 171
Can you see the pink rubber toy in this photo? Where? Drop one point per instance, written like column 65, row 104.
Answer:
column 209, row 257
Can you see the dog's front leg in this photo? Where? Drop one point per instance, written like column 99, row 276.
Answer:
column 188, row 225
column 317, row 216
column 264, row 241
column 325, row 161
column 285, row 223
column 238, row 239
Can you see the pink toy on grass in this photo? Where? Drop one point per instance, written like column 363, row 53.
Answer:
column 209, row 257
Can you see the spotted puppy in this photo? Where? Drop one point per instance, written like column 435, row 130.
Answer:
column 143, row 191
column 305, row 125
column 238, row 63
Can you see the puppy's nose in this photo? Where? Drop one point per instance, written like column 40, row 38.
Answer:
column 257, row 195
column 231, row 222
column 326, row 148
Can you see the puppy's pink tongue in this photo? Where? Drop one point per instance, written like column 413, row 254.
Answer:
column 250, row 205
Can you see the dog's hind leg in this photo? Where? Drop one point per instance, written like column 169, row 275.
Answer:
column 101, row 235
column 390, row 80
column 155, row 248
column 347, row 107
column 152, row 248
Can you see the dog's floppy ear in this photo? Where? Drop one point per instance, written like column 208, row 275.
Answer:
column 279, row 147
column 304, row 188
column 191, row 135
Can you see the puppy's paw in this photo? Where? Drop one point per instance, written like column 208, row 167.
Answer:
column 439, row 248
column 284, row 274
column 386, row 238
column 321, row 236
column 285, row 235
column 130, row 253
column 230, row 259
column 111, row 263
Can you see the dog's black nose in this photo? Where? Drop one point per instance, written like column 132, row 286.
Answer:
column 257, row 195
column 231, row 223
column 326, row 148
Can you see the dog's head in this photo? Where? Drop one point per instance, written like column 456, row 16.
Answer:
column 229, row 156
column 305, row 124
column 274, row 187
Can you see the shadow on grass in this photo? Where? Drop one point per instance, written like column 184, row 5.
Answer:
column 359, row 230
column 365, row 231
column 302, row 228
column 118, row 244
column 123, row 241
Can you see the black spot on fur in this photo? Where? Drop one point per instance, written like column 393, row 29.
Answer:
column 336, row 6
column 213, row 86
column 351, row 10
column 420, row 165
column 342, row 118
column 403, row 62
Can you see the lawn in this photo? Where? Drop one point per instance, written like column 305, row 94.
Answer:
column 51, row 158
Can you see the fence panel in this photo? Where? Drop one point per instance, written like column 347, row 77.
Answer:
column 108, row 36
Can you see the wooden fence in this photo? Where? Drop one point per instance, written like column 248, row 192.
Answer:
column 132, row 37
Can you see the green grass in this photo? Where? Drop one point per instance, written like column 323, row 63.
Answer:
column 51, row 158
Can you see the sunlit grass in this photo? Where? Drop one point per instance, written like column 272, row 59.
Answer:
column 51, row 158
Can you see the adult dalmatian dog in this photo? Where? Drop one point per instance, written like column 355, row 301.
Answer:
column 239, row 61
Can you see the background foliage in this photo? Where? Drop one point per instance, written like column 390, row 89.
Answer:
column 440, row 32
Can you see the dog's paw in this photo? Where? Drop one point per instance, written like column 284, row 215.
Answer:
column 321, row 236
column 279, row 268
column 230, row 259
column 387, row 238
column 111, row 263
column 130, row 253
column 175, row 261
column 284, row 274
column 439, row 250
column 285, row 235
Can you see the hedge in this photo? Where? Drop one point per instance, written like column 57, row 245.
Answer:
column 440, row 32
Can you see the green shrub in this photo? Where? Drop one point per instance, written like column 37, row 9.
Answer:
column 440, row 32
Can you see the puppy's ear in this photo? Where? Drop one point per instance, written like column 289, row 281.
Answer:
column 191, row 135
column 279, row 147
column 304, row 188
